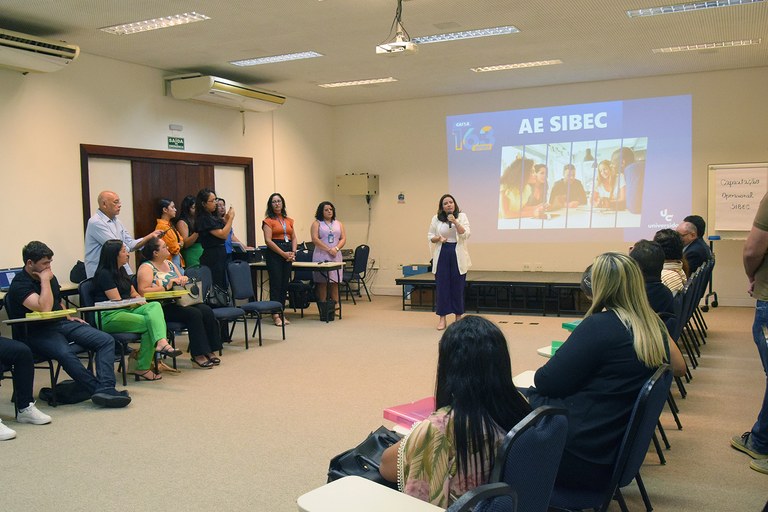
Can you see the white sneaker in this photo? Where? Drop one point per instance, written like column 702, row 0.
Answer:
column 32, row 415
column 6, row 433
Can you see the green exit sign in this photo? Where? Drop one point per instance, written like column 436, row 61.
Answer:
column 176, row 143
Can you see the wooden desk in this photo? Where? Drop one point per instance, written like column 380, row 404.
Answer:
column 356, row 494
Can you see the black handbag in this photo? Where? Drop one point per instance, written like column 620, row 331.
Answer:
column 217, row 297
column 365, row 459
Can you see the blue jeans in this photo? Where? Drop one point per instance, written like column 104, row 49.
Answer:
column 759, row 437
column 52, row 340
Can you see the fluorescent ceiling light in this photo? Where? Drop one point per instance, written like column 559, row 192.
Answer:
column 519, row 65
column 276, row 58
column 360, row 82
column 469, row 34
column 155, row 23
column 687, row 7
column 707, row 46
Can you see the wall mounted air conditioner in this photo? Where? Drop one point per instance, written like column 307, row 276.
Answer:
column 26, row 53
column 223, row 92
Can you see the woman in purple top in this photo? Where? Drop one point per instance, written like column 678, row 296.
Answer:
column 329, row 237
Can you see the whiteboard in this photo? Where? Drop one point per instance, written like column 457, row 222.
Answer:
column 735, row 192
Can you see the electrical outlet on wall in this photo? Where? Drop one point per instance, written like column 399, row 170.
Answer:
column 526, row 267
column 538, row 267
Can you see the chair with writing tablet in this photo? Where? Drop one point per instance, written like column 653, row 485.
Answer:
column 87, row 291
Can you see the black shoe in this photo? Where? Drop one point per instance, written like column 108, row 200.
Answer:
column 111, row 398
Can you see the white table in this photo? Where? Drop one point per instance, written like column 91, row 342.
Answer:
column 545, row 351
column 356, row 494
column 525, row 379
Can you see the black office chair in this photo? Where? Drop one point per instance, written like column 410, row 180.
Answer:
column 302, row 287
column 538, row 439
column 496, row 497
column 231, row 313
column 357, row 274
column 634, row 446
column 87, row 291
column 239, row 273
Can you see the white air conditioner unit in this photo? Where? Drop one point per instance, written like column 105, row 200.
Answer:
column 26, row 53
column 220, row 91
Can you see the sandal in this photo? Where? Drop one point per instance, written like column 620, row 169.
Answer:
column 146, row 375
column 207, row 365
column 168, row 350
column 278, row 321
column 215, row 360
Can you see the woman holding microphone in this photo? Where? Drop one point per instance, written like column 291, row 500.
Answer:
column 448, row 234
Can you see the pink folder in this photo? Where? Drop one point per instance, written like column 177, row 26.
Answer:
column 408, row 414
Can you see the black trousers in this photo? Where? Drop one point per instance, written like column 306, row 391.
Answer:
column 215, row 258
column 279, row 272
column 204, row 334
column 15, row 354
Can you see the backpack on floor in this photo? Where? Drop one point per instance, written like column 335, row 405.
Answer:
column 67, row 392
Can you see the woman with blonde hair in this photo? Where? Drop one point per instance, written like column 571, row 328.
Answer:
column 609, row 186
column 598, row 372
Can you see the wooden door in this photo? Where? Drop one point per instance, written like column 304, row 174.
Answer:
column 155, row 180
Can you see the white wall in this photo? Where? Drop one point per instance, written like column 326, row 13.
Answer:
column 100, row 101
column 298, row 149
column 404, row 142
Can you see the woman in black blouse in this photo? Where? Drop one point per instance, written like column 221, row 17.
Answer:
column 213, row 231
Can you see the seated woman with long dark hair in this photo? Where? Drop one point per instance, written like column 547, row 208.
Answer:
column 453, row 450
column 598, row 372
column 112, row 283
column 158, row 274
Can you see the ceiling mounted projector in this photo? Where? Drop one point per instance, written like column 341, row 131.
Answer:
column 401, row 43
column 397, row 47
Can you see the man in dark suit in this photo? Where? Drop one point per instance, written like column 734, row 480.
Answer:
column 695, row 250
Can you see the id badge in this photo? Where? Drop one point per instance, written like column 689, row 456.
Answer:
column 330, row 237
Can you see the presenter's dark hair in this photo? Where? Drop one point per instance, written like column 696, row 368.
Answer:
column 161, row 205
column 649, row 257
column 108, row 261
column 149, row 248
column 698, row 221
column 320, row 208
column 441, row 215
column 270, row 213
column 201, row 200
column 569, row 167
column 671, row 243
column 35, row 251
column 474, row 378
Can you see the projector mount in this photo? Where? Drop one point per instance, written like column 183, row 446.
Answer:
column 401, row 42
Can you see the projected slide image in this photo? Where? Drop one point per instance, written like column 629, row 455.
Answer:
column 586, row 184
column 613, row 171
